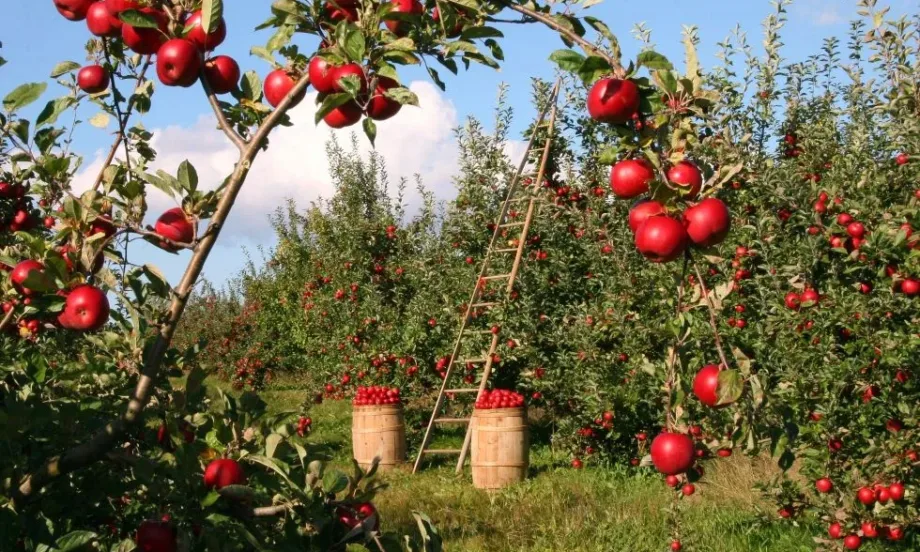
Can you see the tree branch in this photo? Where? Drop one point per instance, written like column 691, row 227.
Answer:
column 547, row 20
column 6, row 319
column 222, row 121
column 96, row 447
column 712, row 315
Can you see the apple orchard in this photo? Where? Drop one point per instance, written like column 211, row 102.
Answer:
column 726, row 263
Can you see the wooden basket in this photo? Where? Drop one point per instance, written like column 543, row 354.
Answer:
column 500, row 447
column 379, row 431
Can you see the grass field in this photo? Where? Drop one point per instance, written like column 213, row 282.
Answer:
column 561, row 509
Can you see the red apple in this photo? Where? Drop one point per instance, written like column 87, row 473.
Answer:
column 902, row 159
column 277, row 85
column 856, row 230
column 176, row 226
column 86, row 309
column 74, row 10
column 178, row 63
column 852, row 542
column 407, row 7
column 706, row 385
column 866, row 495
column 835, row 530
column 102, row 225
column 910, row 287
column 196, row 33
column 93, row 79
column 222, row 73
column 223, row 472
column 117, row 6
column 142, row 40
column 101, row 22
column 613, row 101
column 338, row 10
column 344, row 115
column 896, row 491
column 451, row 33
column 21, row 273
column 686, row 175
column 349, row 69
column 156, row 536
column 322, row 75
column 661, row 239
column 672, row 453
column 824, row 485
column 810, row 297
column 642, row 211
column 380, row 106
column 631, row 177
column 707, row 222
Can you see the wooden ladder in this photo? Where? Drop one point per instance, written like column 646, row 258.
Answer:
column 503, row 223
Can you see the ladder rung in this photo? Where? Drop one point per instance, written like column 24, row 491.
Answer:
column 511, row 225
column 472, row 360
column 461, row 390
column 482, row 332
column 441, row 451
column 496, row 277
column 480, row 305
column 451, row 420
column 506, row 250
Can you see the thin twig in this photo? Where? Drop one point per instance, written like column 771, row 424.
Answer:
column 222, row 121
column 6, row 319
column 712, row 316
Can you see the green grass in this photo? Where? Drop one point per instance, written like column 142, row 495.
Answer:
column 561, row 509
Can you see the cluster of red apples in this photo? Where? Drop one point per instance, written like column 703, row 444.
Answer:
column 377, row 395
column 180, row 61
column 868, row 496
column 499, row 398
column 659, row 236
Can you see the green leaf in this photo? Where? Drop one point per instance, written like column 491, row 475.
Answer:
column 471, row 33
column 158, row 283
column 20, row 129
column 63, row 68
column 567, row 60
column 609, row 156
column 100, row 120
column 730, row 386
column 271, row 444
column 335, row 482
column 653, row 60
column 251, row 86
column 212, row 11
column 23, row 95
column 402, row 95
column 76, row 540
column 188, row 176
column 354, row 45
column 263, row 53
column 138, row 19
column 331, row 102
column 370, row 129
column 53, row 110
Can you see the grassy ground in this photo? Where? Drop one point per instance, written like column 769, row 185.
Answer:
column 561, row 509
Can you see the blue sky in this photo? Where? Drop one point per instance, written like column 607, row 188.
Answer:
column 32, row 54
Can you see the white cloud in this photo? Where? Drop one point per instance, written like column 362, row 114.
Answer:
column 417, row 141
column 820, row 12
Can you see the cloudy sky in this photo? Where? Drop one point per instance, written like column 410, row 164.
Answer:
column 417, row 141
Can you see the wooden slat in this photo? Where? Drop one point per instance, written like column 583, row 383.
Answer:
column 452, row 420
column 442, row 451
column 476, row 390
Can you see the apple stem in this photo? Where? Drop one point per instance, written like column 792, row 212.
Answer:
column 222, row 121
column 97, row 446
column 712, row 317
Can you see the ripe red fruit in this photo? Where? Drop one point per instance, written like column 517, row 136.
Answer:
column 688, row 489
column 577, row 464
column 349, row 70
column 793, row 300
column 676, row 546
column 672, row 453
column 322, row 75
column 835, row 530
column 101, row 22
column 223, row 472
column 686, row 175
column 852, row 542
column 142, row 40
column 178, row 63
column 175, row 225
column 844, row 219
column 707, row 222
column 856, row 230
column 866, row 495
column 910, row 287
column 896, row 492
column 407, row 7
column 642, row 211
column 810, row 297
column 196, row 33
column 724, row 452
column 74, row 10
column 117, row 6
column 93, row 79
column 277, row 85
column 222, row 73
column 661, row 239
column 341, row 10
column 156, row 536
column 22, row 271
column 352, row 517
column 671, row 481
column 902, row 159
column 344, row 115
column 613, row 101
column 706, row 385
column 380, row 107
column 824, row 485
column 631, row 177
column 86, row 309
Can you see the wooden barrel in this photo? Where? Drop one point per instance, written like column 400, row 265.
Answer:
column 500, row 453
column 379, row 431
